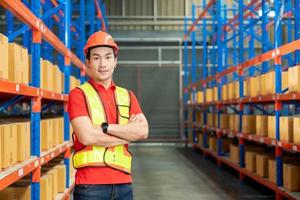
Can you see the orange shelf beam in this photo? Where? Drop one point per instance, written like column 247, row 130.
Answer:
column 26, row 16
column 17, row 88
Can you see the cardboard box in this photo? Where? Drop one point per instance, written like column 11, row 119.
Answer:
column 212, row 142
column 60, row 130
column 13, row 154
column 46, row 135
column 234, row 122
column 6, row 145
column 61, row 173
column 286, row 129
column 210, row 119
column 224, row 123
column 296, row 130
column 249, row 124
column 23, row 141
column 294, row 79
column 271, row 127
column 250, row 161
column 45, row 190
column 246, row 88
column 4, row 57
column 262, row 161
column 262, row 125
column 263, row 84
column 25, row 65
column 291, row 177
column 236, row 91
column 54, row 174
column 226, row 144
column 200, row 138
column 234, row 153
column 270, row 82
column 272, row 170
column 200, row 97
column 215, row 94
column 254, row 86
column 16, row 193
column 15, row 63
column 231, row 90
column 284, row 80
column 225, row 92
column 209, row 95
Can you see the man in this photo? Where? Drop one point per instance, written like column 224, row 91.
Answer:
column 105, row 119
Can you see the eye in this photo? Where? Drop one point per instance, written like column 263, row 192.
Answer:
column 108, row 57
column 95, row 58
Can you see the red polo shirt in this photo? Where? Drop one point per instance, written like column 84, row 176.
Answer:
column 76, row 108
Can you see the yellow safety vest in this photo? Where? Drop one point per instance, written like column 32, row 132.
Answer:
column 117, row 157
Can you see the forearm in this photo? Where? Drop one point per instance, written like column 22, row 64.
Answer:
column 97, row 138
column 129, row 132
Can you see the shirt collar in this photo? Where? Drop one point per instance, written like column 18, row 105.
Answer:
column 98, row 85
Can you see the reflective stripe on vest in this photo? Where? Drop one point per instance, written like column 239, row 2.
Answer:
column 116, row 157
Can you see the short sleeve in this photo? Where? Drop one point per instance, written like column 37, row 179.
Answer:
column 134, row 105
column 76, row 104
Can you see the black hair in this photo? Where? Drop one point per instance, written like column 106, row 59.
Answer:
column 88, row 53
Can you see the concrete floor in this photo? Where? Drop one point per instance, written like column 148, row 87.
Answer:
column 170, row 172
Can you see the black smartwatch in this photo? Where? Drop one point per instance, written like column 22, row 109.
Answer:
column 104, row 127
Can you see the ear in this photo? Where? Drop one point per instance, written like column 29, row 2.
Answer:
column 116, row 60
column 87, row 61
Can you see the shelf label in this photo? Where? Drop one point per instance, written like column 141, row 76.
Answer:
column 42, row 160
column 52, row 155
column 52, row 95
column 261, row 140
column 61, row 97
column 295, row 148
column 279, row 144
column 60, row 149
column 42, row 93
column 273, row 142
column 36, row 163
column 21, row 172
column 250, row 137
column 17, row 88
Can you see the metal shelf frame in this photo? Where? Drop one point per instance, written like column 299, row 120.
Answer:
column 37, row 36
column 250, row 24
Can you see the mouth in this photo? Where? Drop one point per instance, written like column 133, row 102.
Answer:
column 102, row 71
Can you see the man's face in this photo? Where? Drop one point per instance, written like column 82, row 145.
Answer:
column 102, row 63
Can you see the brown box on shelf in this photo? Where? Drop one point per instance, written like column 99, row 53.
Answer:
column 234, row 153
column 262, row 164
column 294, row 79
column 16, row 193
column 246, row 88
column 210, row 119
column 236, row 93
column 271, row 127
column 215, row 93
column 286, row 129
column 226, row 144
column 13, row 153
column 249, row 124
column 224, row 118
column 46, row 134
column 46, row 187
column 270, row 82
column 6, row 145
column 234, row 122
column 284, row 80
column 254, row 86
column 262, row 125
column 230, row 90
column 296, row 130
column 250, row 161
column 209, row 95
column 61, row 173
column 23, row 141
column 200, row 97
column 4, row 56
column 263, row 84
column 15, row 69
column 225, row 92
column 272, row 170
column 291, row 176
column 212, row 141
column 200, row 138
column 54, row 174
column 25, row 65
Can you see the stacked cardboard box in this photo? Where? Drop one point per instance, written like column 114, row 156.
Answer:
column 234, row 122
column 272, row 170
column 4, row 57
column 262, row 125
column 209, row 95
column 291, row 176
column 215, row 94
column 296, row 130
column 249, row 124
column 254, row 86
column 46, row 134
column 294, row 79
column 250, row 160
column 271, row 127
column 200, row 97
column 262, row 164
column 212, row 141
column 225, row 92
column 18, row 64
column 234, row 153
column 8, row 139
column 23, row 141
column 16, row 192
column 286, row 129
column 224, row 123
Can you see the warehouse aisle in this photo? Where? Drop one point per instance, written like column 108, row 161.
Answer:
column 169, row 172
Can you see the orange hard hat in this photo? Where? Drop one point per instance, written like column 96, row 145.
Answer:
column 101, row 38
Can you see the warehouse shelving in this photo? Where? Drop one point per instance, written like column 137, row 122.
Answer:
column 35, row 29
column 240, row 24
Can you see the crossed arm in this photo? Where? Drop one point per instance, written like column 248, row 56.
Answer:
column 136, row 129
